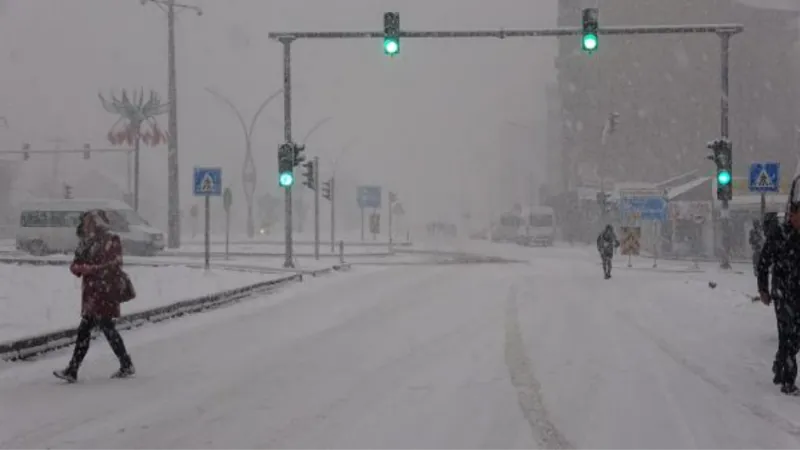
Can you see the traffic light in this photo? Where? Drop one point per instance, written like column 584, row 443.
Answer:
column 87, row 153
column 297, row 154
column 391, row 33
column 723, row 158
column 285, row 165
column 310, row 182
column 25, row 155
column 589, row 41
column 603, row 200
column 327, row 190
column 392, row 198
column 67, row 191
column 613, row 121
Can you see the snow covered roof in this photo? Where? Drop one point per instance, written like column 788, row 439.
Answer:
column 684, row 188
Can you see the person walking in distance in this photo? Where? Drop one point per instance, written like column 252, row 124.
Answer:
column 98, row 262
column 606, row 243
column 781, row 256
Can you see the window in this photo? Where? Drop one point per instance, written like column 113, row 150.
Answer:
column 541, row 220
column 510, row 220
column 117, row 221
column 130, row 217
column 52, row 219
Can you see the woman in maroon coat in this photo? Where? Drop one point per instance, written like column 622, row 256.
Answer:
column 98, row 261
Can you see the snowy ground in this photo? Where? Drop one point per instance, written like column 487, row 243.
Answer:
column 543, row 354
column 36, row 300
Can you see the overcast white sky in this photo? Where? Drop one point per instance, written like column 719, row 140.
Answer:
column 425, row 124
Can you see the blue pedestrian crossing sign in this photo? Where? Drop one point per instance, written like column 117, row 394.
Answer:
column 207, row 181
column 764, row 177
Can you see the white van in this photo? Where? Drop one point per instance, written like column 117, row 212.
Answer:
column 538, row 228
column 48, row 226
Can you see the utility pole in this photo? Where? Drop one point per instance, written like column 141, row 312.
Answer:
column 316, row 207
column 173, row 186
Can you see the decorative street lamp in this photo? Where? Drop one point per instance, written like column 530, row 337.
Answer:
column 249, row 173
column 135, row 112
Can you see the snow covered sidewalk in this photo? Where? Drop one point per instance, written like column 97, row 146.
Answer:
column 39, row 299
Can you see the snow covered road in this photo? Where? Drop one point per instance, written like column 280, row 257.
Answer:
column 546, row 354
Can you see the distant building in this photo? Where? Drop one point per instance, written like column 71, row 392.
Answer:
column 667, row 88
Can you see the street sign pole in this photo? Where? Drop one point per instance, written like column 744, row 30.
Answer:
column 227, row 200
column 316, row 208
column 208, row 232
column 207, row 183
column 333, row 216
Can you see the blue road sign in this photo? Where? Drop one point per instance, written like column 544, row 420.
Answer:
column 765, row 177
column 369, row 196
column 207, row 181
column 647, row 208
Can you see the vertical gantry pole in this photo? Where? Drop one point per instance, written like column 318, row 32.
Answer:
column 287, row 135
column 724, row 126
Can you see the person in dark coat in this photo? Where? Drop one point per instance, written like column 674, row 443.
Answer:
column 606, row 243
column 756, row 240
column 781, row 256
column 98, row 262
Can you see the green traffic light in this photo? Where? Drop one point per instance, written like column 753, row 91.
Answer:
column 286, row 179
column 723, row 178
column 391, row 46
column 590, row 42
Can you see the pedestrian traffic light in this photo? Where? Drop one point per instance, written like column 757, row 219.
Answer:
column 327, row 190
column 589, row 41
column 285, row 165
column 391, row 33
column 723, row 158
column 310, row 182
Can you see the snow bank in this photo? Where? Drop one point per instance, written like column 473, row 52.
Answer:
column 35, row 299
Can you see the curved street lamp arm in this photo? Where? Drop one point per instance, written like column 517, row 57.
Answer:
column 315, row 128
column 261, row 108
column 233, row 108
column 165, row 3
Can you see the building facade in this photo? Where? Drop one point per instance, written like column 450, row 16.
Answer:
column 666, row 90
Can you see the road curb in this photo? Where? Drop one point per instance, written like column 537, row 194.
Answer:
column 28, row 347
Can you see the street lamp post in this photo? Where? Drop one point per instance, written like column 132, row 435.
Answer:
column 169, row 7
column 249, row 172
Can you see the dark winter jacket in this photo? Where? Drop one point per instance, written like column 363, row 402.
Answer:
column 98, row 260
column 756, row 240
column 781, row 255
column 607, row 242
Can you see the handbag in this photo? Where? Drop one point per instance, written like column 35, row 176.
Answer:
column 127, row 291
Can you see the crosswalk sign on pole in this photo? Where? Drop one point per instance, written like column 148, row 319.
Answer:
column 207, row 181
column 764, row 177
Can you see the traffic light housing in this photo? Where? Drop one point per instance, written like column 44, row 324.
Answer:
column 391, row 33
column 286, row 165
column 297, row 154
column 67, row 191
column 310, row 182
column 613, row 122
column 25, row 155
column 87, row 151
column 589, row 37
column 603, row 200
column 392, row 198
column 327, row 190
column 723, row 158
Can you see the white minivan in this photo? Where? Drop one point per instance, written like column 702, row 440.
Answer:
column 48, row 226
column 539, row 227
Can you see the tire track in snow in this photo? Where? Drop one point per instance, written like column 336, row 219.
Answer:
column 527, row 387
column 763, row 413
